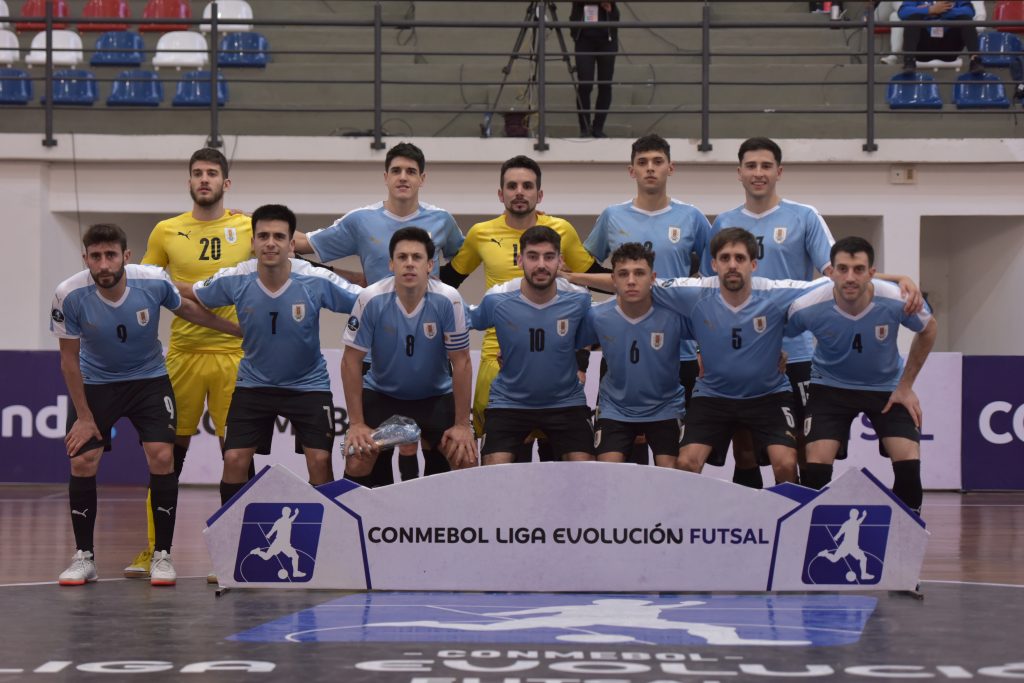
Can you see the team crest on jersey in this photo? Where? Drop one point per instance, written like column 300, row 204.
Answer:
column 142, row 316
column 429, row 330
column 57, row 316
column 760, row 323
column 657, row 340
column 881, row 332
column 779, row 235
column 298, row 312
column 674, row 233
column 353, row 323
column 562, row 327
column 231, row 235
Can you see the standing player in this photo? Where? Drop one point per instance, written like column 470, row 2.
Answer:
column 367, row 232
column 536, row 319
column 201, row 363
column 283, row 371
column 639, row 394
column 414, row 325
column 107, row 318
column 857, row 368
column 496, row 243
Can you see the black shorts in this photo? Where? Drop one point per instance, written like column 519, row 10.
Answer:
column 831, row 410
column 614, row 436
column 689, row 370
column 799, row 375
column 711, row 420
column 435, row 414
column 254, row 411
column 147, row 403
column 568, row 429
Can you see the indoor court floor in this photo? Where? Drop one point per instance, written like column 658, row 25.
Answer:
column 966, row 625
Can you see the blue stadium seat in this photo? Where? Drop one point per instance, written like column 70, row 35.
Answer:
column 15, row 86
column 913, row 90
column 74, row 86
column 136, row 88
column 247, row 49
column 194, row 90
column 980, row 91
column 118, row 48
column 996, row 41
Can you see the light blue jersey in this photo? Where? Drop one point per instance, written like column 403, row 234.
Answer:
column 538, row 345
column 740, row 346
column 642, row 382
column 673, row 233
column 280, row 330
column 119, row 339
column 367, row 232
column 855, row 352
column 410, row 350
column 793, row 240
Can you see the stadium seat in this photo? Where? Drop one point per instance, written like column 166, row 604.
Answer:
column 4, row 14
column 980, row 91
column 74, row 86
column 194, row 90
column 166, row 9
column 136, row 88
column 104, row 9
column 913, row 90
column 1009, row 10
column 243, row 50
column 15, row 86
column 231, row 10
column 181, row 48
column 9, row 52
column 67, row 49
column 33, row 14
column 118, row 48
column 998, row 42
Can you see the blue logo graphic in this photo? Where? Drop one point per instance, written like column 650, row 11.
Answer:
column 278, row 542
column 641, row 619
column 846, row 544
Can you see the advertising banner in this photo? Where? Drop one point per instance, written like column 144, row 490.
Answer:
column 993, row 419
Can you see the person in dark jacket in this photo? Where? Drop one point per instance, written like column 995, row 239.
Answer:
column 595, row 46
column 941, row 39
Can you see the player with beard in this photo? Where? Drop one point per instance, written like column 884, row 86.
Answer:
column 107, row 318
column 201, row 363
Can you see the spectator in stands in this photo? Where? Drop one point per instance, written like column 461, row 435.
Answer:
column 889, row 11
column 938, row 38
column 595, row 47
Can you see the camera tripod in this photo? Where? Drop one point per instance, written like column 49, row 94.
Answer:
column 533, row 17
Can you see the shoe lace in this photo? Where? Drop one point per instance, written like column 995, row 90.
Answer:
column 80, row 562
column 162, row 561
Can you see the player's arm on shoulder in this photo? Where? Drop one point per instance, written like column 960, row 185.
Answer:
column 200, row 315
column 597, row 281
column 302, row 245
column 458, row 442
column 84, row 427
column 912, row 297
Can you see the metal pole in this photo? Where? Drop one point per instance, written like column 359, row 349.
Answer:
column 378, row 97
column 214, row 140
column 705, row 79
column 541, row 44
column 869, row 144
column 49, row 140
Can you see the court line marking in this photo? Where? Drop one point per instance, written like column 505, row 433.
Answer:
column 54, row 583
column 975, row 583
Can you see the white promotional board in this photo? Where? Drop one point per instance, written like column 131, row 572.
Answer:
column 938, row 386
column 566, row 527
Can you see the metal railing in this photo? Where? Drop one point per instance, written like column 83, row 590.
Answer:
column 538, row 82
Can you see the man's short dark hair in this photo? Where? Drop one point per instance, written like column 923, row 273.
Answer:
column 274, row 212
column 412, row 234
column 520, row 161
column 101, row 233
column 540, row 234
column 852, row 246
column 213, row 156
column 652, row 142
column 729, row 236
column 754, row 144
column 406, row 150
column 633, row 251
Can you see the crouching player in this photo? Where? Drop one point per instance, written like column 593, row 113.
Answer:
column 857, row 368
column 283, row 371
column 107, row 318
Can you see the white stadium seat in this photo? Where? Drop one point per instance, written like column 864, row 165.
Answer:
column 181, row 48
column 228, row 9
column 67, row 49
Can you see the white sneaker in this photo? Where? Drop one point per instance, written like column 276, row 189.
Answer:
column 81, row 571
column 161, row 571
column 889, row 59
column 139, row 568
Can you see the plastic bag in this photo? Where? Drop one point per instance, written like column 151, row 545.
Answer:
column 393, row 431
